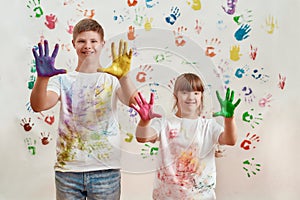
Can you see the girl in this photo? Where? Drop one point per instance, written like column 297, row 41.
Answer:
column 187, row 142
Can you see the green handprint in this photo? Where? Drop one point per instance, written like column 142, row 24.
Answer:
column 227, row 106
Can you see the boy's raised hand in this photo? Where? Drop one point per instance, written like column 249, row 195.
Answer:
column 145, row 109
column 120, row 64
column 227, row 106
column 44, row 63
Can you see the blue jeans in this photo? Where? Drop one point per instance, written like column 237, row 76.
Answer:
column 94, row 185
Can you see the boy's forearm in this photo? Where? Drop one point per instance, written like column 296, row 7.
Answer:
column 230, row 131
column 128, row 90
column 39, row 94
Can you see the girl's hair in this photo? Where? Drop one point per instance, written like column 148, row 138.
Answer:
column 188, row 82
column 88, row 25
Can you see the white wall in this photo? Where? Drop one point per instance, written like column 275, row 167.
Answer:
column 27, row 176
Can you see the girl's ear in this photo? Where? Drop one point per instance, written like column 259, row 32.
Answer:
column 73, row 43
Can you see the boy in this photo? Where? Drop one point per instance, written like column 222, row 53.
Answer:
column 88, row 153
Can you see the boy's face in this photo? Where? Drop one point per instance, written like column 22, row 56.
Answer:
column 88, row 45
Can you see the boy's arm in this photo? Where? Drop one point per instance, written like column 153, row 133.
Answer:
column 127, row 92
column 119, row 68
column 144, row 133
column 40, row 98
column 229, row 136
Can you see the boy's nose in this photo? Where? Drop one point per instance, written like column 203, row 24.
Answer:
column 87, row 45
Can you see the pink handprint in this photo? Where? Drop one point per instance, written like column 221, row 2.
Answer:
column 50, row 21
column 145, row 109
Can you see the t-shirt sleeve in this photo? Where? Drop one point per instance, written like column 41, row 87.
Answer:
column 54, row 84
column 216, row 130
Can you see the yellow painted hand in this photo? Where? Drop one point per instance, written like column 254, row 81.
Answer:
column 120, row 64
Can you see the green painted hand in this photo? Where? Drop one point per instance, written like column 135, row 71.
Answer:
column 120, row 64
column 227, row 106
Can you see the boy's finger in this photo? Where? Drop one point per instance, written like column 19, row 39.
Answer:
column 130, row 54
column 125, row 49
column 113, row 51
column 46, row 48
column 34, row 53
column 40, row 49
column 120, row 47
column 55, row 51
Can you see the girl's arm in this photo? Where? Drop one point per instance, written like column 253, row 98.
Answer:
column 144, row 132
column 229, row 136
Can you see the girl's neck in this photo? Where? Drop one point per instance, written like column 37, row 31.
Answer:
column 187, row 115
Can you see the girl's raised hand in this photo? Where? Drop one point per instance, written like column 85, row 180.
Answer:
column 44, row 63
column 227, row 106
column 145, row 109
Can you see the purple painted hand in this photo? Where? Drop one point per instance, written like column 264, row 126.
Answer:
column 145, row 109
column 45, row 63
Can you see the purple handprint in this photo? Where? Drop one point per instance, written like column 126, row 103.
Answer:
column 231, row 7
column 45, row 63
column 242, row 32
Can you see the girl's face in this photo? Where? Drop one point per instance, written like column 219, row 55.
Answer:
column 188, row 103
column 88, row 45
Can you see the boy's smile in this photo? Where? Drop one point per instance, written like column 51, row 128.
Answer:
column 88, row 46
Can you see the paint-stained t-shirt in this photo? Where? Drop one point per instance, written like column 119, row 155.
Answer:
column 88, row 131
column 186, row 164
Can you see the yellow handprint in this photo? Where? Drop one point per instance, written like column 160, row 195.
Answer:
column 271, row 24
column 120, row 64
column 196, row 5
column 148, row 25
column 235, row 53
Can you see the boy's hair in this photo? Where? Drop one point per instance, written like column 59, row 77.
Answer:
column 189, row 82
column 88, row 25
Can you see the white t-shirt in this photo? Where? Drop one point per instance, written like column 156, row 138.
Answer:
column 186, row 165
column 88, row 133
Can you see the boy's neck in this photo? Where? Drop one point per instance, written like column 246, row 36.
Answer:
column 85, row 67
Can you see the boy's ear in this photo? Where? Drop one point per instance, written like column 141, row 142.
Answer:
column 103, row 43
column 73, row 43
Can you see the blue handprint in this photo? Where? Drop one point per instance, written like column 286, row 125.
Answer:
column 171, row 19
column 242, row 32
